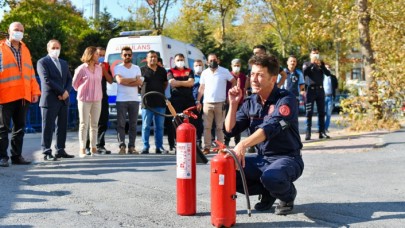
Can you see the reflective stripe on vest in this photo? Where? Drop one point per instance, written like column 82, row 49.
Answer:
column 28, row 66
column 11, row 78
column 10, row 65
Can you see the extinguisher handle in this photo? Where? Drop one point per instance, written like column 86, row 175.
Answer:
column 189, row 112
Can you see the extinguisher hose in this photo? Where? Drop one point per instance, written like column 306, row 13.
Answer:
column 168, row 104
column 242, row 174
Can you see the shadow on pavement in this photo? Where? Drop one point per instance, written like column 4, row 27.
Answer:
column 13, row 180
column 333, row 214
column 345, row 214
column 17, row 181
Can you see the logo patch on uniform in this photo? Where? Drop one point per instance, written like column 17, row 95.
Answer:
column 271, row 109
column 284, row 110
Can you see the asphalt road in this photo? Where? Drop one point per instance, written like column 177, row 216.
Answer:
column 356, row 189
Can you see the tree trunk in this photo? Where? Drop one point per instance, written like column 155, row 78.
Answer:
column 368, row 57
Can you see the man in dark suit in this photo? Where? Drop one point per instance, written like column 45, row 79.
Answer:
column 56, row 82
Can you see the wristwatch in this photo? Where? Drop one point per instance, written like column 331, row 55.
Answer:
column 197, row 102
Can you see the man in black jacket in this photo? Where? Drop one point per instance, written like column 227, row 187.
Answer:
column 314, row 72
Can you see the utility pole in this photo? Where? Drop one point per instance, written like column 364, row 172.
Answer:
column 96, row 9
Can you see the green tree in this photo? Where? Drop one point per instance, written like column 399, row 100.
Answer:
column 142, row 18
column 103, row 29
column 381, row 36
column 204, row 40
column 44, row 21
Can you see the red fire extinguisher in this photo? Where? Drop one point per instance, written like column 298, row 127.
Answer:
column 223, row 188
column 186, row 166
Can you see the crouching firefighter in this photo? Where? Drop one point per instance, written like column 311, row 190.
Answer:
column 271, row 117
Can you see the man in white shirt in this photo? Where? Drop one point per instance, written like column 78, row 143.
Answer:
column 213, row 86
column 128, row 77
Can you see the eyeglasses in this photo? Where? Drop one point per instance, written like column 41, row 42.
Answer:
column 127, row 55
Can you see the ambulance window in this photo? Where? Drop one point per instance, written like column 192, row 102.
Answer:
column 138, row 58
column 113, row 57
column 190, row 63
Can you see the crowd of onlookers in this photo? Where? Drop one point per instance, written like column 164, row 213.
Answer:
column 200, row 85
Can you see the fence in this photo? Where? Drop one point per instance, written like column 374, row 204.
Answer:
column 34, row 117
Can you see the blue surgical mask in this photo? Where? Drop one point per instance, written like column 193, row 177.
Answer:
column 17, row 35
column 100, row 59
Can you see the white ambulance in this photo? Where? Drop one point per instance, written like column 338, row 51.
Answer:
column 141, row 43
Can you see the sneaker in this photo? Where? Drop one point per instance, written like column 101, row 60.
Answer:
column 145, row 151
column 206, row 151
column 131, row 150
column 266, row 202
column 103, row 150
column 88, row 152
column 122, row 150
column 49, row 157
column 161, row 151
column 4, row 162
column 323, row 135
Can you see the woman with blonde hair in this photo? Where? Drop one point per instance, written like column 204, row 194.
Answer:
column 87, row 83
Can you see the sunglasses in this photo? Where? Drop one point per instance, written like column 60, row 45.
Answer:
column 127, row 55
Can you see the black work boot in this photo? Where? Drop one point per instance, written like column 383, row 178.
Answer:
column 266, row 202
column 323, row 135
column 284, row 208
column 308, row 135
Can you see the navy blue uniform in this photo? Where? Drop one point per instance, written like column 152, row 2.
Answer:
column 278, row 162
column 315, row 93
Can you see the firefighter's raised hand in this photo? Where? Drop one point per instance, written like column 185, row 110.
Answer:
column 235, row 94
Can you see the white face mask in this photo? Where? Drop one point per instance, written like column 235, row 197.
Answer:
column 180, row 64
column 316, row 56
column 198, row 69
column 17, row 36
column 54, row 53
column 236, row 69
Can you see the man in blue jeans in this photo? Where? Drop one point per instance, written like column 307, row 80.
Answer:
column 155, row 79
column 330, row 85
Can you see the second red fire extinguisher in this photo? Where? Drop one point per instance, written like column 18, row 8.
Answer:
column 223, row 188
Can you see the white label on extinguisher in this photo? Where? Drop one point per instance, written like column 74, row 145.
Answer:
column 221, row 179
column 183, row 157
